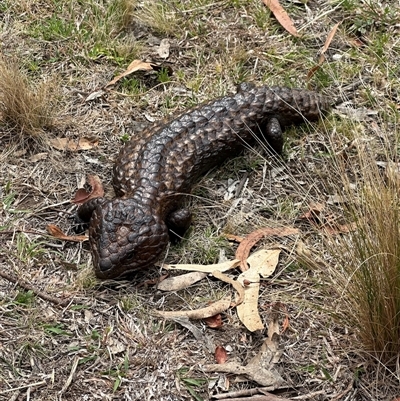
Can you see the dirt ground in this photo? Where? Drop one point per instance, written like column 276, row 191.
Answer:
column 93, row 339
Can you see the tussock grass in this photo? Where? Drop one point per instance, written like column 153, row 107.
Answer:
column 361, row 268
column 26, row 107
column 366, row 275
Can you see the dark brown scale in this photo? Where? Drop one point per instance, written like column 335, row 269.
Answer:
column 153, row 171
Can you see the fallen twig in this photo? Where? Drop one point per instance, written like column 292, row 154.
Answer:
column 266, row 397
column 22, row 387
column 29, row 287
column 242, row 393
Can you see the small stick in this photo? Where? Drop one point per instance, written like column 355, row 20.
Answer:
column 29, row 287
column 241, row 393
column 70, row 377
column 22, row 387
column 267, row 397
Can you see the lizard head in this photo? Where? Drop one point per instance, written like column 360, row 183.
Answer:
column 125, row 236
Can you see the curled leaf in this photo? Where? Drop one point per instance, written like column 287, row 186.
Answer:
column 243, row 250
column 214, row 322
column 220, row 354
column 57, row 233
column 97, row 191
column 135, row 65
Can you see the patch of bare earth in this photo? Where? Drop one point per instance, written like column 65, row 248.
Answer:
column 64, row 335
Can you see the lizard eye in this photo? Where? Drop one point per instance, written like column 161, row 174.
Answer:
column 130, row 255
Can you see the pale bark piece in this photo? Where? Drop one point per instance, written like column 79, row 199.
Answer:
column 222, row 267
column 248, row 310
column 282, row 16
column 211, row 310
column 180, row 282
column 163, row 49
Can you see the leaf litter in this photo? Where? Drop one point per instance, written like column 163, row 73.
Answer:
column 120, row 311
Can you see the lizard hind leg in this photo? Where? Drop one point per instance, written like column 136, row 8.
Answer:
column 178, row 223
column 272, row 132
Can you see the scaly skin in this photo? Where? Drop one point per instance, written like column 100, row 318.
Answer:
column 153, row 172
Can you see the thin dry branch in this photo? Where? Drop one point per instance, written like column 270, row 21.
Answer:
column 29, row 287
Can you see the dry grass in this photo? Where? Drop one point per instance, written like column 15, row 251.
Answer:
column 27, row 108
column 106, row 343
column 365, row 274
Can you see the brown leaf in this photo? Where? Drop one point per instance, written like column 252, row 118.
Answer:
column 282, row 16
column 57, row 233
column 97, row 191
column 330, row 37
column 243, row 250
column 214, row 322
column 73, row 145
column 220, row 354
column 135, row 65
column 232, row 237
column 322, row 58
column 315, row 209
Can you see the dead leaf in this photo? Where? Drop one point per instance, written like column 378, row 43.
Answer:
column 235, row 284
column 135, row 65
column 326, row 221
column 211, row 310
column 282, row 16
column 163, row 49
column 232, row 237
column 330, row 37
column 222, row 267
column 97, row 191
column 315, row 209
column 260, row 368
column 264, row 261
column 73, row 145
column 243, row 250
column 220, row 354
column 322, row 58
column 180, row 282
column 57, row 233
column 198, row 334
column 214, row 322
column 153, row 281
column 248, row 310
